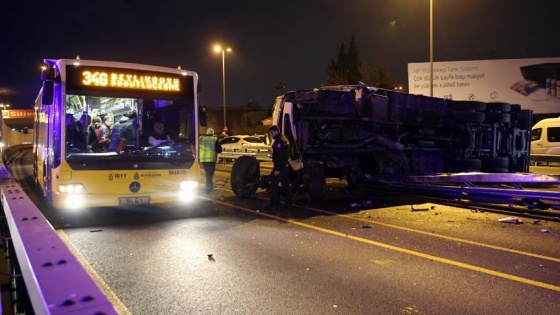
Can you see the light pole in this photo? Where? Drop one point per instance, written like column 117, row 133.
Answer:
column 4, row 106
column 431, row 47
column 219, row 48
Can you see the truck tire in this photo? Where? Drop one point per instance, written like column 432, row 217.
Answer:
column 458, row 165
column 498, row 118
column 245, row 176
column 495, row 165
column 467, row 106
column 317, row 184
column 498, row 107
column 468, row 117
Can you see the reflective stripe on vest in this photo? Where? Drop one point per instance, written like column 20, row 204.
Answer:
column 207, row 151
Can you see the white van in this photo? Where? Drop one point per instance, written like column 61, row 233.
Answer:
column 545, row 137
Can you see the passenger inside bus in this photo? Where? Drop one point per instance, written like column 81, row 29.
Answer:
column 95, row 138
column 75, row 133
column 106, row 129
column 128, row 131
column 115, row 133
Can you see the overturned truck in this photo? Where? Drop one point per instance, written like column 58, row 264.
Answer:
column 356, row 132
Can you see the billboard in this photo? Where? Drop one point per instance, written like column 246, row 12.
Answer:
column 533, row 83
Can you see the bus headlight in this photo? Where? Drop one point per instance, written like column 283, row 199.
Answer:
column 188, row 185
column 188, row 190
column 74, row 201
column 71, row 189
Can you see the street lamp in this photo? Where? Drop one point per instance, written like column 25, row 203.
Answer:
column 219, row 48
column 4, row 106
column 431, row 47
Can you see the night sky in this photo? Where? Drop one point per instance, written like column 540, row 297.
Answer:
column 291, row 41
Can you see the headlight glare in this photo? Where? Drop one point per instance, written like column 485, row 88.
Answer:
column 188, row 184
column 71, row 189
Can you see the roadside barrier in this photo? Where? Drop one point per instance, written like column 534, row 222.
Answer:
column 47, row 277
column 546, row 159
column 261, row 153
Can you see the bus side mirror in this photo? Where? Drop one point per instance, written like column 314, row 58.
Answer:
column 202, row 118
column 48, row 91
column 47, row 75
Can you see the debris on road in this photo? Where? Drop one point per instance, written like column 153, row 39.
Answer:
column 418, row 209
column 512, row 220
column 367, row 204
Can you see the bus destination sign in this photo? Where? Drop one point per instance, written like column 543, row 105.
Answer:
column 105, row 78
column 132, row 81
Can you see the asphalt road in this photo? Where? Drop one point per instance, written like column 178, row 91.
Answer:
column 358, row 254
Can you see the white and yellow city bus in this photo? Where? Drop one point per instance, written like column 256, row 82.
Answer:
column 126, row 170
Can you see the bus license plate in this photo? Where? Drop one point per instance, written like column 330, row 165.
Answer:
column 140, row 200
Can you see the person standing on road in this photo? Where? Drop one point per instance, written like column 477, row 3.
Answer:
column 209, row 147
column 279, row 175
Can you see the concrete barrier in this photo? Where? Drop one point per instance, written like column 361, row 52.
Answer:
column 55, row 281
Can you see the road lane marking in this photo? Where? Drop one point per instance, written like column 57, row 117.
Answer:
column 400, row 249
column 105, row 288
column 451, row 238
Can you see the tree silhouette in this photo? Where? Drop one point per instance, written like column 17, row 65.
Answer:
column 348, row 69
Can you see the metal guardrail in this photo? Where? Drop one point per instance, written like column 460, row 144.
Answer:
column 9, row 153
column 544, row 158
column 261, row 153
column 55, row 281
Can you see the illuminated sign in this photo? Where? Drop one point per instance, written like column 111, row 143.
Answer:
column 131, row 81
column 18, row 113
column 90, row 78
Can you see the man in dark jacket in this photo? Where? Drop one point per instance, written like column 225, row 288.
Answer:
column 129, row 129
column 116, row 133
column 279, row 175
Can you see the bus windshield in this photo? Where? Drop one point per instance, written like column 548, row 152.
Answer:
column 98, row 127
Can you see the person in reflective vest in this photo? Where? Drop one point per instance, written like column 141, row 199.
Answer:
column 209, row 147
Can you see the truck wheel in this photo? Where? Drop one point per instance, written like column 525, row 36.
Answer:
column 317, row 184
column 498, row 118
column 467, row 106
column 498, row 107
column 495, row 165
column 245, row 176
column 458, row 165
column 468, row 117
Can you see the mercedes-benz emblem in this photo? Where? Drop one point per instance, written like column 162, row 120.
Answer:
column 134, row 187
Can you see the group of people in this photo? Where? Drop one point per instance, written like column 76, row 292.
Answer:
column 104, row 135
column 209, row 147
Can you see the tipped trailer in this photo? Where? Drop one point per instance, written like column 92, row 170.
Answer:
column 365, row 134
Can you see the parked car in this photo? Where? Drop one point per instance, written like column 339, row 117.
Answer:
column 240, row 143
column 235, row 146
